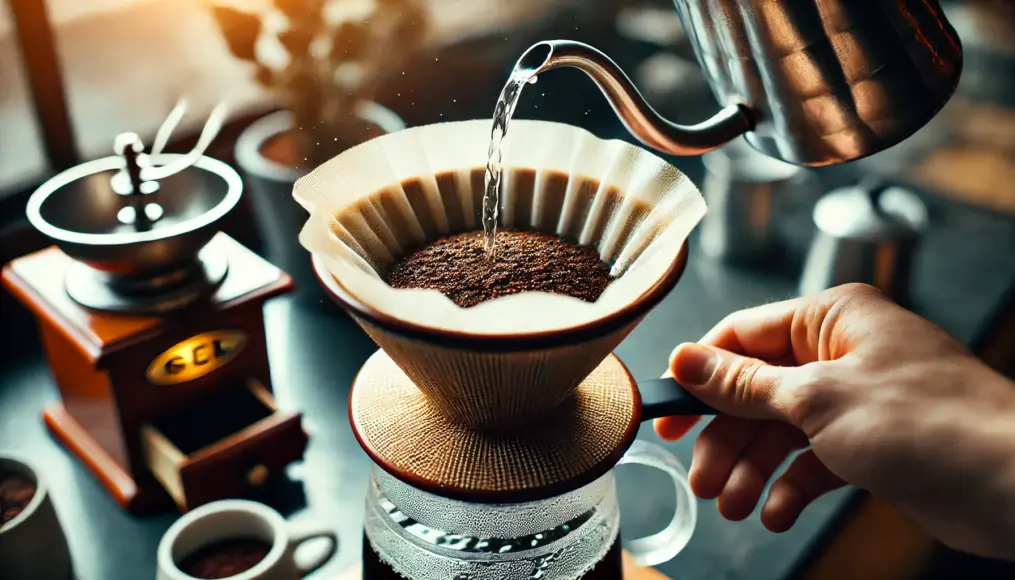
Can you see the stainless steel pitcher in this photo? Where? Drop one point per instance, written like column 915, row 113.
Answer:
column 810, row 82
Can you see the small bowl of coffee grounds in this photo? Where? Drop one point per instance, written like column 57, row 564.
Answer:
column 16, row 492
column 225, row 558
column 524, row 261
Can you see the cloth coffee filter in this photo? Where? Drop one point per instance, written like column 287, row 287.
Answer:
column 485, row 374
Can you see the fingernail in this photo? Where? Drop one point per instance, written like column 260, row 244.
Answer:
column 694, row 364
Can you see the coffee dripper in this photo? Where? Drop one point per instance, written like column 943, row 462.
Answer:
column 808, row 82
column 494, row 429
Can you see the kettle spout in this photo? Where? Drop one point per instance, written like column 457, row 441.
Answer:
column 634, row 111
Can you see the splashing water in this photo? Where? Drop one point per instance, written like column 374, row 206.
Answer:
column 501, row 117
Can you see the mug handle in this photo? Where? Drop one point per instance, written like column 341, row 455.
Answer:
column 300, row 532
column 664, row 545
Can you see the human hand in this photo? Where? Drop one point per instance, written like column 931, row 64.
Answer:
column 885, row 400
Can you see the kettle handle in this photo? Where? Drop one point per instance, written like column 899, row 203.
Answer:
column 666, row 398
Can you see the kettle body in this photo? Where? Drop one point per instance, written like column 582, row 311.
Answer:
column 809, row 82
column 826, row 81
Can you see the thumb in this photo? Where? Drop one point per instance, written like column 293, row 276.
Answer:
column 733, row 384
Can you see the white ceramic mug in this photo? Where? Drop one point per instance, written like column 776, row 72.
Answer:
column 234, row 519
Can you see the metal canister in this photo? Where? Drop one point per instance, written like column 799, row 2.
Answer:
column 745, row 192
column 866, row 233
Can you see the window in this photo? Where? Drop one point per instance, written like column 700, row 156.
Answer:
column 21, row 155
column 125, row 63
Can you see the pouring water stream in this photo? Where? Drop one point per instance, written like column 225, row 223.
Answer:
column 502, row 113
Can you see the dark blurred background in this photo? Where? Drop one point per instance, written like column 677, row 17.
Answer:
column 75, row 73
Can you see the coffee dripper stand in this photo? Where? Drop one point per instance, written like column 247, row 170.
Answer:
column 152, row 322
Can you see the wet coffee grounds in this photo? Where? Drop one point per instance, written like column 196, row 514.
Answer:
column 226, row 558
column 16, row 492
column 458, row 267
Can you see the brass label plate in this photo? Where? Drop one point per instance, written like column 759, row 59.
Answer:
column 196, row 357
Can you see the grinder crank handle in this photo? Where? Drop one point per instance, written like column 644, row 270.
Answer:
column 666, row 397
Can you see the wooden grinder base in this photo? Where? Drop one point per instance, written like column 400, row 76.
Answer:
column 120, row 374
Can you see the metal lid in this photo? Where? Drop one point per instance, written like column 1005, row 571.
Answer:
column 872, row 212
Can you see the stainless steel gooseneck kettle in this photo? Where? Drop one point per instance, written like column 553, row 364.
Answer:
column 810, row 82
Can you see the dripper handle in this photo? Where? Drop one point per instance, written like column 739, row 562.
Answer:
column 666, row 398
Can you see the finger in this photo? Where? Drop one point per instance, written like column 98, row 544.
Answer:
column 764, row 332
column 673, row 428
column 735, row 384
column 716, row 451
column 806, row 480
column 770, row 447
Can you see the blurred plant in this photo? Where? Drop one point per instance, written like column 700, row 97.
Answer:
column 323, row 58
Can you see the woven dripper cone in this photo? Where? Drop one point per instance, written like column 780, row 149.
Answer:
column 512, row 360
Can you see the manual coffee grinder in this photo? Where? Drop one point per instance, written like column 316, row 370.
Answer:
column 494, row 429
column 151, row 320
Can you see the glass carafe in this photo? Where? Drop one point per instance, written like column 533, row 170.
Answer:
column 413, row 534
